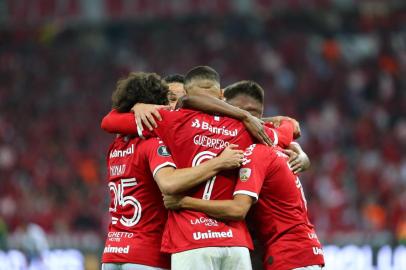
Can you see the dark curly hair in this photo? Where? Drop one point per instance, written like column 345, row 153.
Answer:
column 139, row 87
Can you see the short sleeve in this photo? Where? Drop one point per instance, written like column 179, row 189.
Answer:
column 253, row 172
column 281, row 136
column 158, row 156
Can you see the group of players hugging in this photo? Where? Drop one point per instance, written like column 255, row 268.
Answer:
column 192, row 164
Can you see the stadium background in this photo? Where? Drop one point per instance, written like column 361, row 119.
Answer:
column 338, row 66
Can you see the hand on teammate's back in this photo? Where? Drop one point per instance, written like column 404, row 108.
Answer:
column 255, row 126
column 230, row 158
column 298, row 159
column 145, row 113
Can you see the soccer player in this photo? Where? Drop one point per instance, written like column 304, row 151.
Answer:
column 195, row 240
column 249, row 96
column 147, row 112
column 280, row 215
column 136, row 168
column 280, row 212
column 176, row 90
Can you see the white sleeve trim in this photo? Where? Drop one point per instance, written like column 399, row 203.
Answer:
column 139, row 130
column 295, row 143
column 165, row 164
column 276, row 140
column 246, row 192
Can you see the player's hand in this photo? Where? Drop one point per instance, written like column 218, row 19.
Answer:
column 230, row 158
column 255, row 126
column 276, row 121
column 173, row 202
column 298, row 159
column 145, row 113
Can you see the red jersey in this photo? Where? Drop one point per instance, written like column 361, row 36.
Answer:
column 138, row 215
column 194, row 137
column 280, row 214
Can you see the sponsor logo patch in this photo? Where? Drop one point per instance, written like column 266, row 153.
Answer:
column 163, row 151
column 196, row 123
column 117, row 236
column 203, row 125
column 317, row 251
column 245, row 174
column 211, row 235
column 208, row 222
column 122, row 153
column 119, row 250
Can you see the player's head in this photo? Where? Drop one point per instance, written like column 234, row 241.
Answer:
column 203, row 80
column 246, row 95
column 139, row 87
column 176, row 90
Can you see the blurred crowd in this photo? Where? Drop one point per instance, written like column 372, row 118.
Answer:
column 346, row 85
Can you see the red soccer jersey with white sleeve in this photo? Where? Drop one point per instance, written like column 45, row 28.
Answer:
column 137, row 213
column 280, row 214
column 194, row 137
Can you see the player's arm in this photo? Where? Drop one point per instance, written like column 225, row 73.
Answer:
column 283, row 134
column 248, row 186
column 277, row 122
column 120, row 123
column 133, row 123
column 235, row 209
column 175, row 181
column 212, row 105
column 298, row 159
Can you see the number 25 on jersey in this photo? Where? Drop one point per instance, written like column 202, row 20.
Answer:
column 120, row 201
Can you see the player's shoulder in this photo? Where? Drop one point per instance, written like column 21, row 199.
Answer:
column 269, row 125
column 174, row 114
column 175, row 111
column 261, row 152
column 151, row 142
column 123, row 140
column 155, row 144
column 257, row 148
column 183, row 111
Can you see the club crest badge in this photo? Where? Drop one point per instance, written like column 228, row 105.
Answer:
column 163, row 151
column 245, row 174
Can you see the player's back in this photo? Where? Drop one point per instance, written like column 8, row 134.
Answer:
column 137, row 213
column 280, row 215
column 194, row 137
